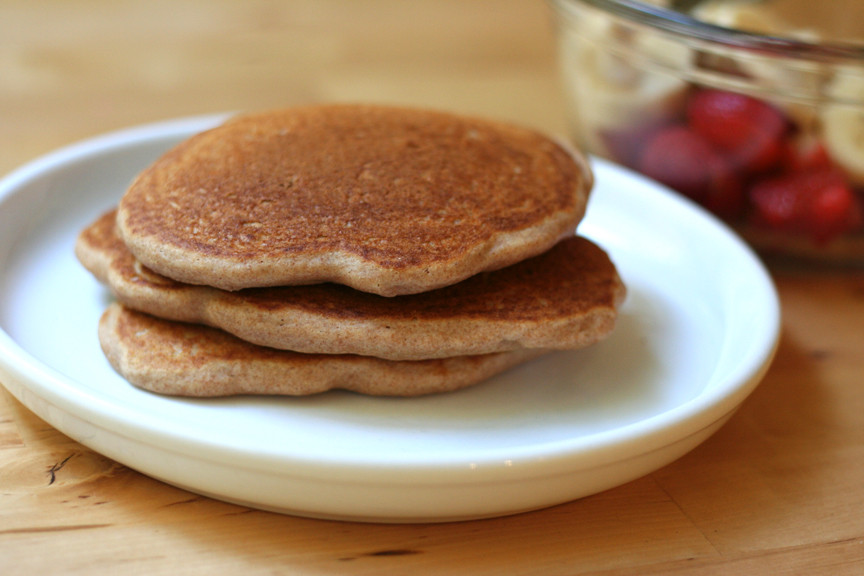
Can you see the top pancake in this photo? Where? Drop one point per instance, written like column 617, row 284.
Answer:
column 386, row 200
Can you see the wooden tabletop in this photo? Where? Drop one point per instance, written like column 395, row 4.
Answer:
column 778, row 490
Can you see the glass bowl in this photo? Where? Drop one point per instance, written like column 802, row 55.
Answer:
column 766, row 132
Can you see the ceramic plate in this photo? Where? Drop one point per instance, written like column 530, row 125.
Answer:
column 695, row 336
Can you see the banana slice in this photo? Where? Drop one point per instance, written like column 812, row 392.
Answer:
column 744, row 15
column 802, row 19
column 609, row 73
column 843, row 123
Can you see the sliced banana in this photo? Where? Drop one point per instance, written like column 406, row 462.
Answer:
column 843, row 122
column 802, row 19
column 747, row 15
column 609, row 72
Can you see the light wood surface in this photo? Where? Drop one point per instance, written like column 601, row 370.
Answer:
column 778, row 490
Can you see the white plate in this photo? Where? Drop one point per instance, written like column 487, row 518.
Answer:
column 695, row 336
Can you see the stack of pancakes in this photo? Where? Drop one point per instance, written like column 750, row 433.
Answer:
column 384, row 250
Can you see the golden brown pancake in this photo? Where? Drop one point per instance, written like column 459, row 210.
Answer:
column 565, row 298
column 385, row 200
column 192, row 360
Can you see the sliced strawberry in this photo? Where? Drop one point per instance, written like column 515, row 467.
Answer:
column 834, row 210
column 683, row 160
column 625, row 145
column 779, row 203
column 805, row 153
column 749, row 131
column 726, row 196
column 819, row 202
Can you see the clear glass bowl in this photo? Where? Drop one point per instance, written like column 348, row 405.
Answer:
column 766, row 132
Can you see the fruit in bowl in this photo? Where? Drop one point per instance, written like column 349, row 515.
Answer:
column 766, row 132
column 744, row 160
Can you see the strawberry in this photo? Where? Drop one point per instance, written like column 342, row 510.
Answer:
column 834, row 210
column 683, row 160
column 750, row 132
column 805, row 153
column 817, row 201
column 624, row 146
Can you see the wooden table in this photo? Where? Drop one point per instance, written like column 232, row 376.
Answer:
column 779, row 490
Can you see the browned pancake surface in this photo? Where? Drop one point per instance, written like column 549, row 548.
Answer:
column 386, row 200
column 565, row 298
column 192, row 360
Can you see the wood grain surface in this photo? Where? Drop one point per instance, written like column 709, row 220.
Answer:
column 779, row 490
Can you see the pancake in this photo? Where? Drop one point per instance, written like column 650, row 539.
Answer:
column 565, row 298
column 180, row 359
column 383, row 199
